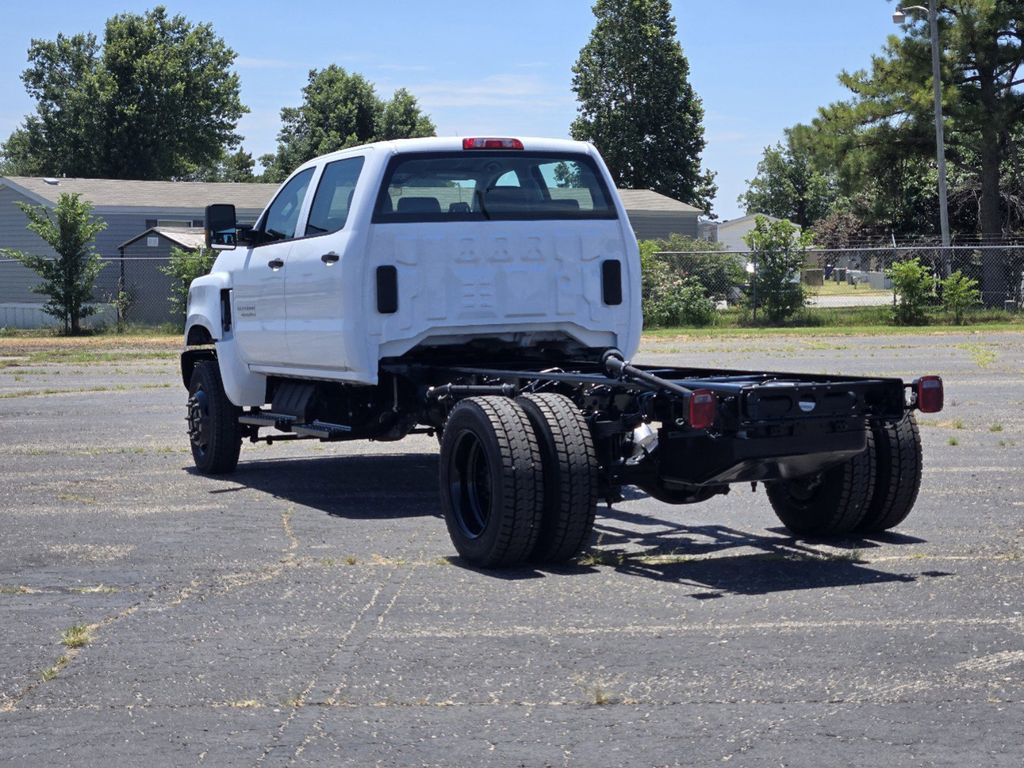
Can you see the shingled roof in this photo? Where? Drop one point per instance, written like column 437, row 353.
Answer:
column 104, row 194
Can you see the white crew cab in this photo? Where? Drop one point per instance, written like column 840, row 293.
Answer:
column 372, row 252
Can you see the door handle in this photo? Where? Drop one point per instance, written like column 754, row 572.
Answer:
column 275, row 264
column 330, row 258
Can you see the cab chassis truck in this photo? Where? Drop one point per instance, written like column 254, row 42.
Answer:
column 487, row 291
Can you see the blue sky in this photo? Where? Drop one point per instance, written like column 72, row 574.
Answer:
column 505, row 67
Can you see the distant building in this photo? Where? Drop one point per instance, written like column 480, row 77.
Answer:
column 128, row 208
column 731, row 232
column 654, row 216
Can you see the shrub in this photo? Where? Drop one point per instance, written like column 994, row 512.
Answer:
column 959, row 293
column 668, row 298
column 914, row 287
column 778, row 252
column 715, row 268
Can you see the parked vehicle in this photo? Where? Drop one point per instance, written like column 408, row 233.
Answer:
column 487, row 290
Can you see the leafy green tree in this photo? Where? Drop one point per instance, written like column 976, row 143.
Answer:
column 68, row 279
column 236, row 166
column 636, row 103
column 959, row 293
column 340, row 110
column 914, row 287
column 787, row 184
column 183, row 267
column 777, row 249
column 982, row 55
column 156, row 100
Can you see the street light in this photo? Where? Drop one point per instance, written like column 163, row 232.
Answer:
column 899, row 16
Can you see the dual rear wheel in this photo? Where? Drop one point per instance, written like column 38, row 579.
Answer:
column 870, row 493
column 519, row 479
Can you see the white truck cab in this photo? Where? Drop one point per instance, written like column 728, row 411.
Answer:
column 376, row 251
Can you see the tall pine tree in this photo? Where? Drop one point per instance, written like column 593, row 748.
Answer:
column 636, row 104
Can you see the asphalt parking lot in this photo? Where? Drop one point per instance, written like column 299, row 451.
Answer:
column 309, row 608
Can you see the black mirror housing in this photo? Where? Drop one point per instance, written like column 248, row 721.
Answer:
column 221, row 227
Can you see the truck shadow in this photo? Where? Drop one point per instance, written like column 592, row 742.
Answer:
column 718, row 560
column 377, row 487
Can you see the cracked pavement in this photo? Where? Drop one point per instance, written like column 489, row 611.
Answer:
column 309, row 609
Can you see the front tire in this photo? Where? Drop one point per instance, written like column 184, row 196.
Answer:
column 570, row 476
column 830, row 503
column 492, row 485
column 213, row 428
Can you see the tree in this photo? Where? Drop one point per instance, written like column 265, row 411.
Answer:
column 787, row 184
column 636, row 104
column 156, row 100
column 777, row 249
column 340, row 110
column 68, row 279
column 235, row 166
column 914, row 287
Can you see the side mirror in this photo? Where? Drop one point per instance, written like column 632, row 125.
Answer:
column 221, row 228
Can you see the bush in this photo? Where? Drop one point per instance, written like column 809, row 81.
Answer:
column 778, row 251
column 709, row 263
column 959, row 293
column 184, row 267
column 669, row 299
column 914, row 287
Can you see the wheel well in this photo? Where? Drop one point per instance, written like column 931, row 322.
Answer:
column 190, row 357
column 198, row 334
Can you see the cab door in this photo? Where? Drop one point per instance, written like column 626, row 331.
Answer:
column 259, row 285
column 321, row 274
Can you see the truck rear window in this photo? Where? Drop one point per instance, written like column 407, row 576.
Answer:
column 481, row 185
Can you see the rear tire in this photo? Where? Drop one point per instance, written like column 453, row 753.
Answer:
column 492, row 485
column 897, row 474
column 213, row 428
column 830, row 503
column 570, row 476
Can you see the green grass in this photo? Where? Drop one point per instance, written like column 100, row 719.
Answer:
column 846, row 321
column 953, row 441
column 996, row 427
column 51, row 672
column 77, row 636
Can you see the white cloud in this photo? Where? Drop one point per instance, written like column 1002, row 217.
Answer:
column 493, row 91
column 254, row 62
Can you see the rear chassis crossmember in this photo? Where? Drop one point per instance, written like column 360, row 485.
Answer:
column 767, row 426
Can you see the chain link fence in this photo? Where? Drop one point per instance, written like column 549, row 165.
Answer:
column 130, row 291
column 846, row 277
column 134, row 291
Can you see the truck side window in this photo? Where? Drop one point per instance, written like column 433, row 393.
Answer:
column 334, row 196
column 283, row 214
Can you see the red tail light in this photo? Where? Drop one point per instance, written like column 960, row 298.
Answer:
column 703, row 408
column 492, row 144
column 929, row 394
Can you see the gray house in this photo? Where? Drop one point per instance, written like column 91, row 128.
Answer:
column 138, row 213
column 138, row 269
column 128, row 208
column 654, row 216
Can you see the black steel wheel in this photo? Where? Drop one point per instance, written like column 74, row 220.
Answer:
column 897, row 474
column 570, row 476
column 829, row 503
column 213, row 428
column 491, row 482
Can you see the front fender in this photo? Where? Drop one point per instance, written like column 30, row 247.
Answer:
column 206, row 308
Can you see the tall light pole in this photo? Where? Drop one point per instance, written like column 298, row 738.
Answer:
column 899, row 16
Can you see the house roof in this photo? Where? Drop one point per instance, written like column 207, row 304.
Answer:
column 158, row 195
column 648, row 200
column 107, row 194
column 749, row 218
column 191, row 238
